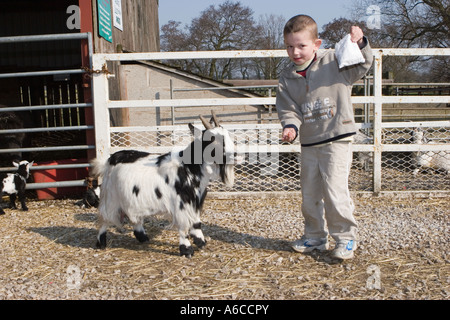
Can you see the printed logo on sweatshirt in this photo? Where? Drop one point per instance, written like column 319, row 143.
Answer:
column 321, row 109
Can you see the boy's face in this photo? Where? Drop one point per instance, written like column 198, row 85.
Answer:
column 301, row 46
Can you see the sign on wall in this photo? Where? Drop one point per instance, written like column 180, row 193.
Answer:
column 117, row 14
column 104, row 19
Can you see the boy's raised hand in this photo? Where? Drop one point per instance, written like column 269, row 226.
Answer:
column 356, row 35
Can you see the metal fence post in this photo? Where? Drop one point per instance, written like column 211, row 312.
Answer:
column 101, row 111
column 377, row 121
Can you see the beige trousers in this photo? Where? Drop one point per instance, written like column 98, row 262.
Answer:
column 327, row 207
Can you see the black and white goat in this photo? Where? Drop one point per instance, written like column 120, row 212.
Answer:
column 14, row 184
column 136, row 185
column 91, row 197
column 429, row 159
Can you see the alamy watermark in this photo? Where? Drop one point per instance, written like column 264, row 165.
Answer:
column 74, row 19
column 73, row 280
column 74, row 277
column 374, row 279
column 373, row 13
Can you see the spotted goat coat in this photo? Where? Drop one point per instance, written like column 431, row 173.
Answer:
column 136, row 185
column 14, row 184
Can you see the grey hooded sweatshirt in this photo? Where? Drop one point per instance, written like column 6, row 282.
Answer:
column 319, row 105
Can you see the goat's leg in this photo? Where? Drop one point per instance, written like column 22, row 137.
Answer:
column 197, row 234
column 185, row 246
column 101, row 236
column 12, row 201
column 139, row 232
column 22, row 199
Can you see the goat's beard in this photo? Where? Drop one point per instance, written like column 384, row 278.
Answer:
column 227, row 174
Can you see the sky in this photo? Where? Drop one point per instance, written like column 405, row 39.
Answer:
column 323, row 11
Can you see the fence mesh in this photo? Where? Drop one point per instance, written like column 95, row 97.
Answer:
column 416, row 170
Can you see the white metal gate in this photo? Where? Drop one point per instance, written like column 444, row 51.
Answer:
column 384, row 161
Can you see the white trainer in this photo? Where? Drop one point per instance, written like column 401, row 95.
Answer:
column 345, row 249
column 307, row 245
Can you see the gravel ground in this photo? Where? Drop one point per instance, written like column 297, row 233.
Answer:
column 49, row 253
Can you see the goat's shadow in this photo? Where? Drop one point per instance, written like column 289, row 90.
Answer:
column 82, row 237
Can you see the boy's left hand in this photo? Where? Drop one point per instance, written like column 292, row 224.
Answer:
column 356, row 35
column 289, row 135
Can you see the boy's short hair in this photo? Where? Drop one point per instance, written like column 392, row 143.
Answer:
column 299, row 23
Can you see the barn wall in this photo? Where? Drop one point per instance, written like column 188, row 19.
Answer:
column 140, row 32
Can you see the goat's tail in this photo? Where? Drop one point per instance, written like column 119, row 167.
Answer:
column 98, row 168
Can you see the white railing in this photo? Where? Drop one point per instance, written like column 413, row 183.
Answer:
column 375, row 149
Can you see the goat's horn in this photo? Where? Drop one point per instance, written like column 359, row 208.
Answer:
column 216, row 121
column 205, row 122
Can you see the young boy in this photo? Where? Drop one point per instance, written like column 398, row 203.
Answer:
column 314, row 103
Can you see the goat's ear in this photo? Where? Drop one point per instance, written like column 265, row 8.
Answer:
column 31, row 164
column 205, row 122
column 15, row 164
column 192, row 128
column 214, row 120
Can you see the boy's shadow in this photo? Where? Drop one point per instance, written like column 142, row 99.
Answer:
column 223, row 234
column 324, row 257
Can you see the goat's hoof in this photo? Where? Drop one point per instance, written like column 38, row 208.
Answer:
column 200, row 243
column 101, row 241
column 141, row 236
column 99, row 245
column 186, row 251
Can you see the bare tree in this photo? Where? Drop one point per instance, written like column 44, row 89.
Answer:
column 172, row 37
column 269, row 36
column 335, row 31
column 228, row 26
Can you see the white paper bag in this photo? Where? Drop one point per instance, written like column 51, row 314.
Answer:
column 348, row 52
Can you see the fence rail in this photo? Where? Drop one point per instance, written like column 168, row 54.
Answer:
column 389, row 155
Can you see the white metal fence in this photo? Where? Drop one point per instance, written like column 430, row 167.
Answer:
column 386, row 158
